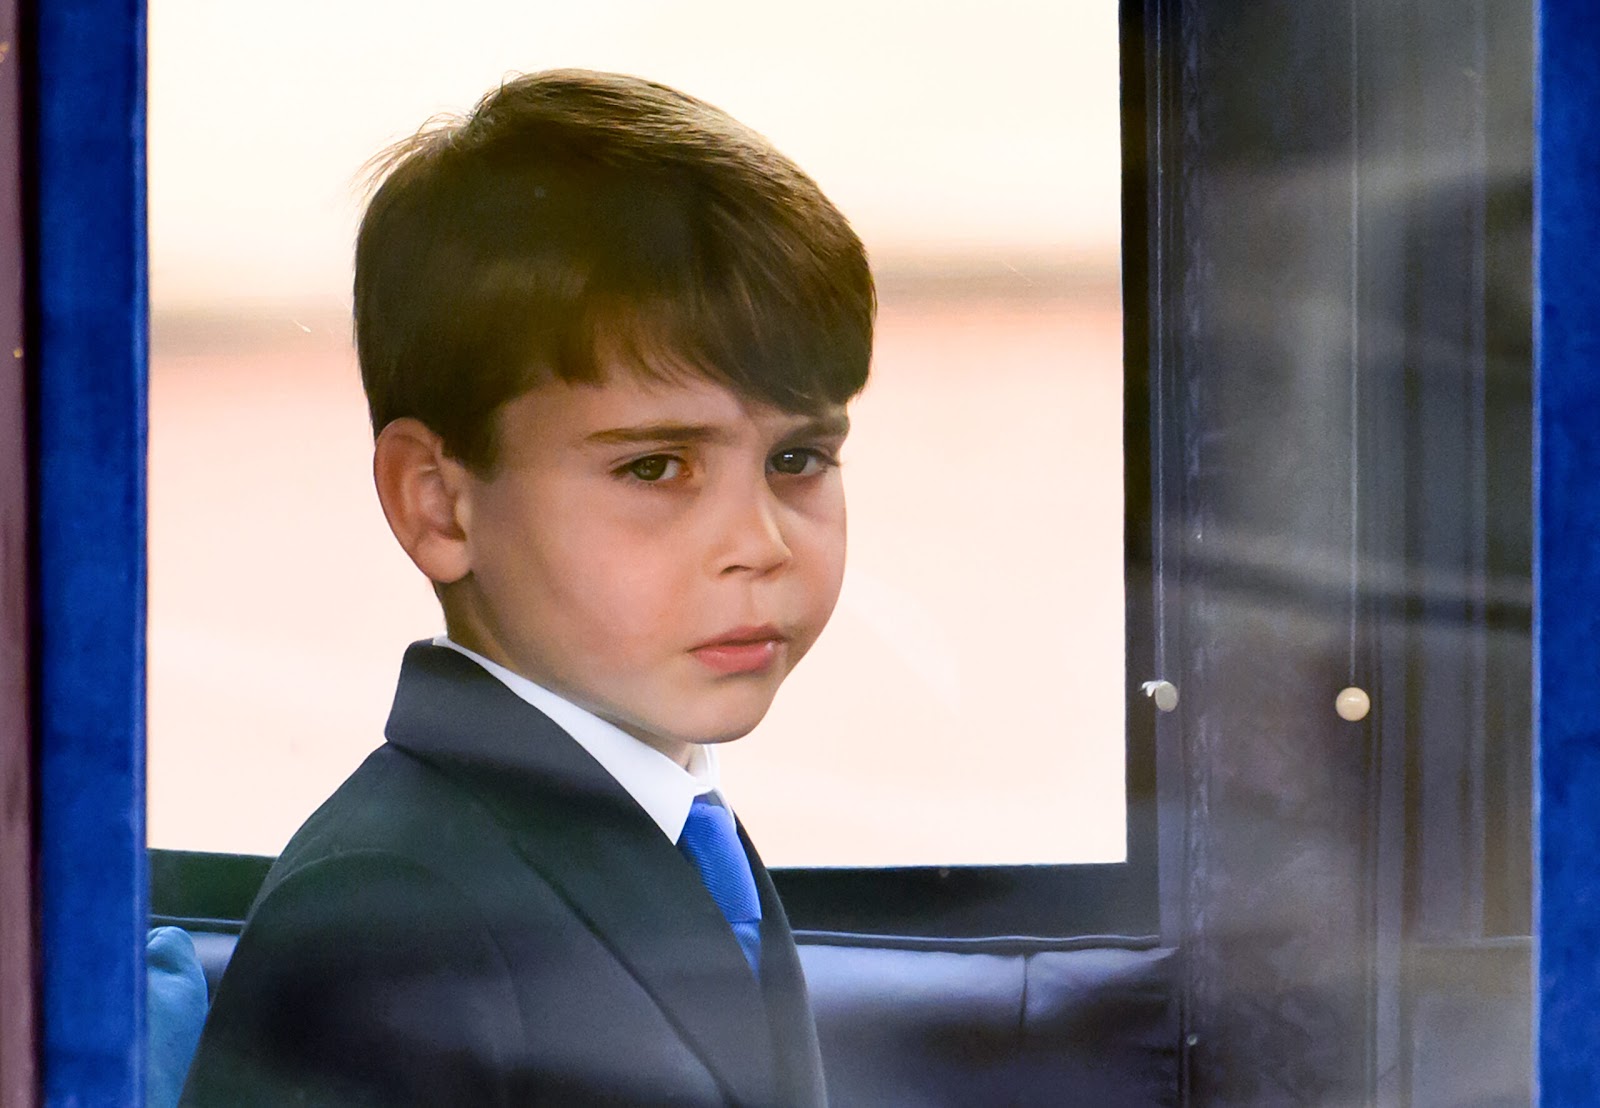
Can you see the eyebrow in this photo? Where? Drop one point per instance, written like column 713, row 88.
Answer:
column 657, row 432
column 833, row 425
column 828, row 426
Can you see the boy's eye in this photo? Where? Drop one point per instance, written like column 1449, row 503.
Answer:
column 800, row 462
column 657, row 467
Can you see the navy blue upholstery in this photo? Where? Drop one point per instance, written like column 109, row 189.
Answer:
column 993, row 1021
column 214, row 949
column 932, row 1022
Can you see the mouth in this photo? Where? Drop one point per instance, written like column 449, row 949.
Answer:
column 742, row 650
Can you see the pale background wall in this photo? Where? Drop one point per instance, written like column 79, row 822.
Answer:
column 966, row 703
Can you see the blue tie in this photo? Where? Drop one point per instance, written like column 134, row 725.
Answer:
column 711, row 842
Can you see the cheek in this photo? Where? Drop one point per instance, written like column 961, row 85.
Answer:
column 826, row 559
column 833, row 582
column 619, row 589
column 821, row 580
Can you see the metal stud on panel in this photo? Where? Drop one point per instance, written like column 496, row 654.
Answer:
column 1164, row 693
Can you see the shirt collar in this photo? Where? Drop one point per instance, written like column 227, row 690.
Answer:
column 663, row 788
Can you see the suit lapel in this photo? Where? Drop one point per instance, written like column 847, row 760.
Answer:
column 794, row 1029
column 582, row 832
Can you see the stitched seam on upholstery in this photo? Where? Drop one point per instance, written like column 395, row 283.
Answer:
column 1022, row 1008
column 989, row 944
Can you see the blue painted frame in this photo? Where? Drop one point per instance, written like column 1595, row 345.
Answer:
column 1567, row 552
column 88, row 326
column 88, row 339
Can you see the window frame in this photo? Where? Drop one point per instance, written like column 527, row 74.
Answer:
column 1116, row 898
column 86, row 344
column 1047, row 900
column 87, row 320
column 90, row 861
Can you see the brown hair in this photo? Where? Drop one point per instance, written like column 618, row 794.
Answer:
column 576, row 219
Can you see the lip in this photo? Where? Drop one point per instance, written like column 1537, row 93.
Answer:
column 742, row 650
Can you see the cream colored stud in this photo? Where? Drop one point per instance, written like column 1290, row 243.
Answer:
column 1164, row 693
column 1352, row 704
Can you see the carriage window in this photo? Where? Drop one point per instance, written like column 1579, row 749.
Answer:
column 966, row 704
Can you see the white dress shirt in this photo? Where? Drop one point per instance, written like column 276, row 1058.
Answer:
column 660, row 786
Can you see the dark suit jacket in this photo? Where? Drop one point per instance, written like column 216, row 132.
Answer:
column 481, row 915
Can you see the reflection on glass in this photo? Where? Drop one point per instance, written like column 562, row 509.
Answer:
column 975, row 661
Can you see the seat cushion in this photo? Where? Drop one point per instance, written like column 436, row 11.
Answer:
column 175, row 1002
column 933, row 1022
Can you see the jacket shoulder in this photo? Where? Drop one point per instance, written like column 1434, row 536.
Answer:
column 363, row 978
column 394, row 803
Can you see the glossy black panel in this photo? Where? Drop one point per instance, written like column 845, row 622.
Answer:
column 1340, row 458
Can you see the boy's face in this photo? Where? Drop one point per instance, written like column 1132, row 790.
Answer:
column 661, row 553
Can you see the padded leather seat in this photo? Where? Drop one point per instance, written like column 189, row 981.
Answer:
column 933, row 1022
column 964, row 1022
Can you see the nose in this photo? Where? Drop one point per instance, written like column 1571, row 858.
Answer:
column 750, row 536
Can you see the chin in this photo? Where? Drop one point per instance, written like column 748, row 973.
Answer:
column 726, row 727
column 719, row 739
column 712, row 734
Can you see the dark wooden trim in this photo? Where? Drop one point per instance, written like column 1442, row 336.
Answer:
column 18, row 1072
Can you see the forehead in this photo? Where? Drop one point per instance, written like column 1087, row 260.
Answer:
column 625, row 406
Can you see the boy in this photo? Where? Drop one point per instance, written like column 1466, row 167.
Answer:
column 607, row 337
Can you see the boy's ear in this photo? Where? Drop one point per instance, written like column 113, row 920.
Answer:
column 422, row 490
